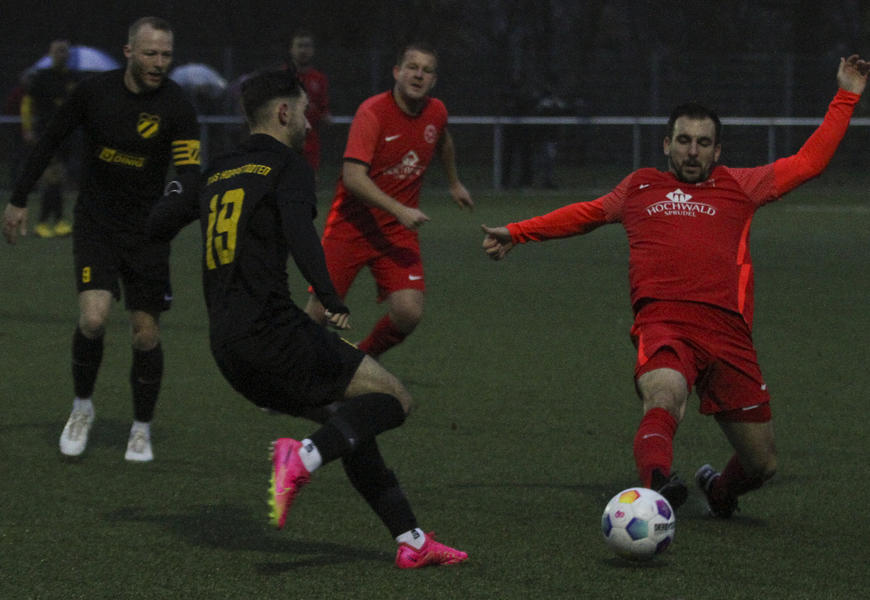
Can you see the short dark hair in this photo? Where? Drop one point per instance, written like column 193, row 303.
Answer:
column 419, row 46
column 264, row 86
column 155, row 22
column 695, row 110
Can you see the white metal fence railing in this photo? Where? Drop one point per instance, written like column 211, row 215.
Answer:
column 498, row 124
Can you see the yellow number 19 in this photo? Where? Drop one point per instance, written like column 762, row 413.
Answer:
column 223, row 220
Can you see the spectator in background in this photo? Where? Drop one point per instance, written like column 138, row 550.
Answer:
column 549, row 105
column 12, row 107
column 517, row 150
column 47, row 89
column 316, row 86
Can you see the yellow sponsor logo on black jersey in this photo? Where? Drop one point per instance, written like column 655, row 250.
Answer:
column 185, row 152
column 112, row 156
column 251, row 168
column 148, row 125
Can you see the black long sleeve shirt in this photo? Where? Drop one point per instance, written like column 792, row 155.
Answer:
column 256, row 206
column 130, row 142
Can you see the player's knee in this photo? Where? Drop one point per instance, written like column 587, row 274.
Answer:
column 406, row 317
column 664, row 388
column 405, row 400
column 770, row 469
column 763, row 467
column 145, row 341
column 92, row 324
column 406, row 309
column 371, row 376
column 145, row 336
column 672, row 402
column 395, row 388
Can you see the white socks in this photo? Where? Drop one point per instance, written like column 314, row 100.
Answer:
column 414, row 538
column 310, row 455
column 143, row 427
column 84, row 404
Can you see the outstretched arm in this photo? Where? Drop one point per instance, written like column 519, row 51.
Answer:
column 573, row 219
column 819, row 149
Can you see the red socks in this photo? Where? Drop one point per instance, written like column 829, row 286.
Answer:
column 383, row 337
column 654, row 444
column 654, row 449
column 734, row 482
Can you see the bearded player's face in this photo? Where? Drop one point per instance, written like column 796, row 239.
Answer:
column 297, row 125
column 691, row 149
column 148, row 58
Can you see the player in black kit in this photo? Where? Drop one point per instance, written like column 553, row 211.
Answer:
column 256, row 205
column 47, row 89
column 136, row 123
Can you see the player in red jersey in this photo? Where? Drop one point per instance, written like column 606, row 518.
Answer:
column 375, row 215
column 691, row 283
column 316, row 86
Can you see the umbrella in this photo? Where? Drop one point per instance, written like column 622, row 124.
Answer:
column 200, row 79
column 83, row 58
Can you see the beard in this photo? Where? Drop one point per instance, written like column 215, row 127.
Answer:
column 298, row 141
column 680, row 172
column 137, row 72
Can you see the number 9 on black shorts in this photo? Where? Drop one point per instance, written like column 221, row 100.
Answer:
column 107, row 260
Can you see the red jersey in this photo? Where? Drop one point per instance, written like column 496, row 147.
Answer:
column 317, row 87
column 397, row 148
column 690, row 241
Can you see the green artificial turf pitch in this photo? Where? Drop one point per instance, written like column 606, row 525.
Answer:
column 525, row 414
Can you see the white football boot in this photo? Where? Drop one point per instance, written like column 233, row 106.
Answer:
column 74, row 438
column 139, row 445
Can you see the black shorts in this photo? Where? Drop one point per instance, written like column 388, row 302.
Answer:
column 289, row 368
column 105, row 259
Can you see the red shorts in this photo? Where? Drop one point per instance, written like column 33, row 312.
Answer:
column 395, row 263
column 712, row 348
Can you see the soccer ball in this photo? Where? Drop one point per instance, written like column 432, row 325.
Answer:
column 638, row 523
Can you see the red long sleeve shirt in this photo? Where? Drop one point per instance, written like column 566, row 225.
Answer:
column 690, row 241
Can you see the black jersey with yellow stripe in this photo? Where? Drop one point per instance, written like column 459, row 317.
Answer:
column 131, row 140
